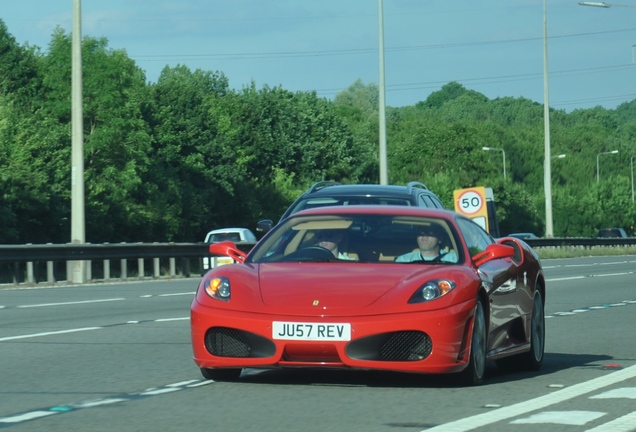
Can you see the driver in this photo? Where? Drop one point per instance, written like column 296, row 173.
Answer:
column 429, row 241
column 331, row 240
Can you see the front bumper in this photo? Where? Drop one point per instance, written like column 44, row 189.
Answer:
column 422, row 342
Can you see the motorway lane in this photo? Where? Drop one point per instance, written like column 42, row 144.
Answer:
column 71, row 344
column 131, row 369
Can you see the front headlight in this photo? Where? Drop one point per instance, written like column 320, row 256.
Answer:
column 432, row 290
column 218, row 288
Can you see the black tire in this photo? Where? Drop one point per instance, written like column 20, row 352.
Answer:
column 533, row 359
column 221, row 374
column 474, row 373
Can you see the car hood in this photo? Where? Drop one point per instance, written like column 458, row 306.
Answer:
column 333, row 286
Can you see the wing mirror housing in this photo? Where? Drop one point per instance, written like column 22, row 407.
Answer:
column 264, row 226
column 228, row 248
column 492, row 252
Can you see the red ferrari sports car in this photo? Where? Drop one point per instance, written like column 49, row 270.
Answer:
column 372, row 287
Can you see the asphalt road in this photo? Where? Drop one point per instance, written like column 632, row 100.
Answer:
column 117, row 357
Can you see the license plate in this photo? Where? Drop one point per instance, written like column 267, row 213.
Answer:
column 311, row 331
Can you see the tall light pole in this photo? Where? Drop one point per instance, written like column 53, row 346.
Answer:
column 631, row 164
column 384, row 175
column 504, row 157
column 78, row 230
column 547, row 167
column 598, row 176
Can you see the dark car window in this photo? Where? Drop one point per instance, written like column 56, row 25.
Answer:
column 232, row 236
column 612, row 232
column 477, row 239
column 430, row 202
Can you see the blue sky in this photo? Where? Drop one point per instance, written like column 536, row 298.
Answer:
column 494, row 47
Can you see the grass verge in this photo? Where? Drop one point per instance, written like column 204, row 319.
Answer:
column 583, row 251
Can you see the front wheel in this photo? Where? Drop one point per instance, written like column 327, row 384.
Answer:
column 476, row 369
column 533, row 359
column 221, row 374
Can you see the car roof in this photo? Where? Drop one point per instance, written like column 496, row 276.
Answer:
column 378, row 210
column 365, row 189
column 225, row 230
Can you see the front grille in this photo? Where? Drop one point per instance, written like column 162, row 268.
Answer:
column 396, row 346
column 229, row 342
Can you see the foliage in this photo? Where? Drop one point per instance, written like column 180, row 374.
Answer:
column 170, row 160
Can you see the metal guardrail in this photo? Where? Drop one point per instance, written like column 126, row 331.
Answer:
column 24, row 260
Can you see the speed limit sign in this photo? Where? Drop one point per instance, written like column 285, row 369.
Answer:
column 470, row 202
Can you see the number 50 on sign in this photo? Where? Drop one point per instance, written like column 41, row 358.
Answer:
column 471, row 202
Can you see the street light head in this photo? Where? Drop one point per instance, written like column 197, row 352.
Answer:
column 485, row 148
column 595, row 4
column 614, row 151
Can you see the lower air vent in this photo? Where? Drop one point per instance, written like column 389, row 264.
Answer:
column 396, row 346
column 229, row 342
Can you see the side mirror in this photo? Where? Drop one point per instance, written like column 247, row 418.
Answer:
column 228, row 248
column 493, row 251
column 264, row 225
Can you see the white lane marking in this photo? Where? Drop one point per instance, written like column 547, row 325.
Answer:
column 202, row 383
column 176, row 294
column 52, row 333
column 100, row 402
column 587, row 276
column 28, row 416
column 48, row 333
column 627, row 423
column 61, row 409
column 565, row 278
column 70, row 303
column 571, row 418
column 619, row 393
column 182, row 383
column 479, row 420
column 153, row 392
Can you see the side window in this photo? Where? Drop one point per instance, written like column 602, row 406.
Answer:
column 437, row 202
column 476, row 238
column 430, row 201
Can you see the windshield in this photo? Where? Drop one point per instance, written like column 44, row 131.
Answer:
column 360, row 238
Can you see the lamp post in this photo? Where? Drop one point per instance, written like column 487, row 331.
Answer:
column 547, row 167
column 504, row 157
column 384, row 175
column 78, row 228
column 631, row 164
column 598, row 177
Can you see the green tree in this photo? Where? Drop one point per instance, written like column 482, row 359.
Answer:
column 116, row 138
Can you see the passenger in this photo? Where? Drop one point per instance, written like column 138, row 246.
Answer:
column 429, row 240
column 332, row 240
